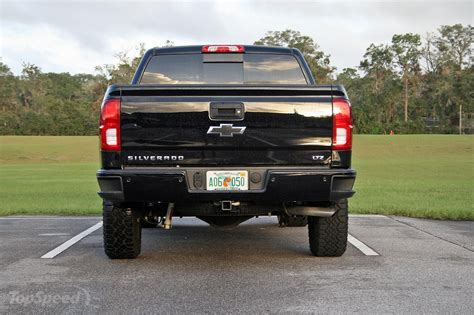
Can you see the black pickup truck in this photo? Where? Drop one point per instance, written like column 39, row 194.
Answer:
column 225, row 133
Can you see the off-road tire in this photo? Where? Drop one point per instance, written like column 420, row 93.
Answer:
column 122, row 232
column 292, row 220
column 328, row 236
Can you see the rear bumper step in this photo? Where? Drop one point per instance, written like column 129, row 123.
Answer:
column 277, row 185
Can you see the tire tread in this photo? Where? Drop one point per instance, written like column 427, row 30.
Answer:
column 328, row 236
column 122, row 232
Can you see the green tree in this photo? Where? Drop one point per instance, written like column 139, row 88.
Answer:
column 406, row 50
column 123, row 71
column 4, row 70
column 318, row 61
column 377, row 64
column 449, row 79
column 31, row 85
column 381, row 88
column 455, row 43
column 8, row 88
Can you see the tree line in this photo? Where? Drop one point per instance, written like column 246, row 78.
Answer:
column 410, row 85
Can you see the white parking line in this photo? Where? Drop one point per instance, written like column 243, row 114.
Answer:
column 366, row 250
column 54, row 234
column 61, row 248
column 47, row 217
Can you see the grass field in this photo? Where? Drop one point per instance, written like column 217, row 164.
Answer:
column 418, row 175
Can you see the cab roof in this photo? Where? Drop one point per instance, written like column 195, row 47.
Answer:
column 253, row 49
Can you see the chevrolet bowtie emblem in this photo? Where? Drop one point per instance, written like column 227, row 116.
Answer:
column 225, row 130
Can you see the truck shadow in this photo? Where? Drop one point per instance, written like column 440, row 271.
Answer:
column 247, row 242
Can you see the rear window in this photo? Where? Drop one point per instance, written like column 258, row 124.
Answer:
column 223, row 69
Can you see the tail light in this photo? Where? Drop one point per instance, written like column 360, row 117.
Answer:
column 342, row 125
column 223, row 49
column 110, row 125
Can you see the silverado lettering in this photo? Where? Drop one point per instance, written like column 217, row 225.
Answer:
column 259, row 136
column 131, row 158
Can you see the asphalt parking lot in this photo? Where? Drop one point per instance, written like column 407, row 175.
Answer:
column 419, row 266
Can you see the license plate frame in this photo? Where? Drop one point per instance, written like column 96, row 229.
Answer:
column 227, row 180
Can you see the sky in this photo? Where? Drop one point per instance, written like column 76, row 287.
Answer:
column 75, row 36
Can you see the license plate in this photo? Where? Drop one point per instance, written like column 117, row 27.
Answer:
column 227, row 180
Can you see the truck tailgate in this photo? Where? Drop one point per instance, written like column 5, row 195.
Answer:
column 209, row 125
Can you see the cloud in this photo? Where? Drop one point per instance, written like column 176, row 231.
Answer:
column 46, row 47
column 75, row 36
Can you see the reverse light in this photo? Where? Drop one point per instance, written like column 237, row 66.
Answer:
column 223, row 49
column 342, row 125
column 110, row 125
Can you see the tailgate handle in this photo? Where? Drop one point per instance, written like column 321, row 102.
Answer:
column 226, row 111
